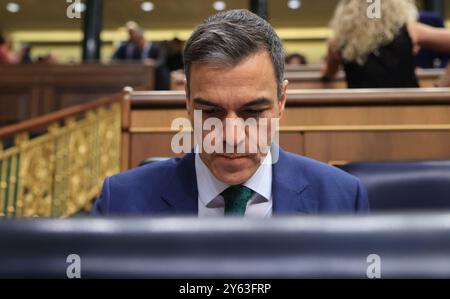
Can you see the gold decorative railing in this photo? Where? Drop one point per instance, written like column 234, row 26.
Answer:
column 61, row 171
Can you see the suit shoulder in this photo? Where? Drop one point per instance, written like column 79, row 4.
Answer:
column 315, row 170
column 153, row 173
column 332, row 188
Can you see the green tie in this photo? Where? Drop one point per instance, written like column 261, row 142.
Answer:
column 236, row 198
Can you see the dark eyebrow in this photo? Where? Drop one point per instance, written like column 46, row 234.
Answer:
column 258, row 101
column 200, row 101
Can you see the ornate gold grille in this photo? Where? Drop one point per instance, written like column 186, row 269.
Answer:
column 61, row 171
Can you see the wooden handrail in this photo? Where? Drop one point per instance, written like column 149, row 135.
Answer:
column 310, row 76
column 382, row 96
column 302, row 68
column 312, row 73
column 163, row 99
column 315, row 97
column 41, row 121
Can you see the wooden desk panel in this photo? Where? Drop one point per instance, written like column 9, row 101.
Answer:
column 327, row 125
column 158, row 144
column 386, row 145
column 311, row 78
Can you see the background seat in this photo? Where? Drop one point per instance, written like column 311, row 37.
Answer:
column 413, row 185
column 315, row 246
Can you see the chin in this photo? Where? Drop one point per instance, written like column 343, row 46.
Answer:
column 233, row 171
column 233, row 179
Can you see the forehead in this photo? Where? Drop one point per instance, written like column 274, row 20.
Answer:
column 253, row 77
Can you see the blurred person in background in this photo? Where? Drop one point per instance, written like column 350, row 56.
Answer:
column 50, row 58
column 296, row 59
column 175, row 54
column 427, row 58
column 380, row 52
column 25, row 54
column 7, row 56
column 444, row 80
column 138, row 49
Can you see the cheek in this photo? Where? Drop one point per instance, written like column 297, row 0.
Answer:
column 212, row 137
column 266, row 127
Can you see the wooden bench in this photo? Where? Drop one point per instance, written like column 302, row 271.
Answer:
column 28, row 91
column 311, row 78
column 303, row 68
column 334, row 126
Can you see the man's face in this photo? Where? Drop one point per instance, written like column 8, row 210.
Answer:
column 247, row 90
column 133, row 36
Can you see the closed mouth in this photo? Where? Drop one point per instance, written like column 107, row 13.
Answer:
column 232, row 156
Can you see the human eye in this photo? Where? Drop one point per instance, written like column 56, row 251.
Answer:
column 212, row 111
column 253, row 112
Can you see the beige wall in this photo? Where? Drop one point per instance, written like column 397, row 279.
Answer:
column 302, row 30
column 67, row 44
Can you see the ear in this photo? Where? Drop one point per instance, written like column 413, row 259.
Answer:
column 282, row 100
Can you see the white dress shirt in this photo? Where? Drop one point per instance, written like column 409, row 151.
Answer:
column 211, row 203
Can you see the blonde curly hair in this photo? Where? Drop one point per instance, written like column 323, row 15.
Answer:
column 356, row 35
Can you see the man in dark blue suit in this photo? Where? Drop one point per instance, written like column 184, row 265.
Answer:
column 137, row 50
column 234, row 66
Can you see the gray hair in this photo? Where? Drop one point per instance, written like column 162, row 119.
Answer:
column 227, row 38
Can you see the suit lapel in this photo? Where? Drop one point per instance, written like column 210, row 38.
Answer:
column 181, row 192
column 289, row 186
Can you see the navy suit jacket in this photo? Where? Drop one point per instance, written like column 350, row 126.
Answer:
column 299, row 185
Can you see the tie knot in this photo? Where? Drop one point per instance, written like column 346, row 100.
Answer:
column 236, row 198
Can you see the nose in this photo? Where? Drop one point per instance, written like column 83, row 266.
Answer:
column 234, row 133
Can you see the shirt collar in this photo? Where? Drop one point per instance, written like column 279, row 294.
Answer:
column 209, row 187
column 261, row 180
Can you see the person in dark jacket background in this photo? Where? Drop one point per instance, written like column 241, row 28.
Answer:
column 428, row 59
column 138, row 49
